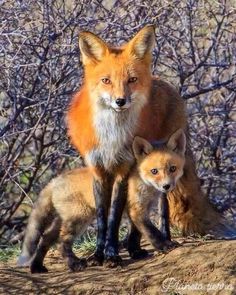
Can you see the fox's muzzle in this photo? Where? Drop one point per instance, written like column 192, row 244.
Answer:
column 121, row 102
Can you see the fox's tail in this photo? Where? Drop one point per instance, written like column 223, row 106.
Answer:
column 191, row 211
column 40, row 218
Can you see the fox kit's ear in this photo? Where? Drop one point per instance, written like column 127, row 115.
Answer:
column 92, row 47
column 177, row 142
column 141, row 147
column 142, row 44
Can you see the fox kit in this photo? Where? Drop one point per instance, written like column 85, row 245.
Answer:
column 66, row 206
column 120, row 99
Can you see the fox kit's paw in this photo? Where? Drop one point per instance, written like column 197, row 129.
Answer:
column 167, row 245
column 23, row 261
column 38, row 268
column 138, row 254
column 77, row 264
column 112, row 261
column 95, row 259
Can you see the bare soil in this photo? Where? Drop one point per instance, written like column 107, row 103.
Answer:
column 196, row 267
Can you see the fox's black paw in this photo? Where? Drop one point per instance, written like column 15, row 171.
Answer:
column 113, row 261
column 77, row 264
column 37, row 268
column 139, row 254
column 95, row 260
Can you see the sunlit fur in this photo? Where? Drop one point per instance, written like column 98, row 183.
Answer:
column 112, row 128
column 162, row 161
column 69, row 200
column 153, row 110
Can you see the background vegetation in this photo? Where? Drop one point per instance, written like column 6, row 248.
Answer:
column 40, row 70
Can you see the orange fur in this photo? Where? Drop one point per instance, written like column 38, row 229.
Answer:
column 162, row 111
column 66, row 206
column 81, row 115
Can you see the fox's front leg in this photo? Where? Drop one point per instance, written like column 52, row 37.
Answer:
column 119, row 197
column 102, row 184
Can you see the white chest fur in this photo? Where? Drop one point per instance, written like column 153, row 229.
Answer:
column 115, row 132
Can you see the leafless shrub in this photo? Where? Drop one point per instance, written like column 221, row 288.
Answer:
column 40, row 70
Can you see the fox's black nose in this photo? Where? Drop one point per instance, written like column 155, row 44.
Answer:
column 166, row 187
column 120, row 102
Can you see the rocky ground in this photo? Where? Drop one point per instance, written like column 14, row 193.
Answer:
column 196, row 267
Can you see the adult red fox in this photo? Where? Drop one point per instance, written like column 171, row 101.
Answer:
column 66, row 206
column 120, row 99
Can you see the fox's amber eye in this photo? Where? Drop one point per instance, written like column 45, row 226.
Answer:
column 106, row 81
column 172, row 169
column 132, row 79
column 154, row 171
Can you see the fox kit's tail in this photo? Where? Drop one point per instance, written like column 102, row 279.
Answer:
column 40, row 218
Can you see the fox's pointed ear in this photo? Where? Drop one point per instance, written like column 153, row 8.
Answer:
column 92, row 47
column 141, row 147
column 177, row 142
column 142, row 43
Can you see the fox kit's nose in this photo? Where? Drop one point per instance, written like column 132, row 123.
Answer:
column 120, row 102
column 166, row 187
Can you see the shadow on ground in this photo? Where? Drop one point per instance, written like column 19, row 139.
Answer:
column 197, row 267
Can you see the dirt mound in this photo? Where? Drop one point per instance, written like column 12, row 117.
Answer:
column 197, row 267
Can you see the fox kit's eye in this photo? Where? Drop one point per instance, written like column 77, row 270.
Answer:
column 132, row 79
column 154, row 171
column 172, row 169
column 106, row 81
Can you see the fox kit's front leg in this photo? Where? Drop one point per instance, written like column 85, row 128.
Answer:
column 149, row 230
column 163, row 212
column 164, row 224
column 133, row 243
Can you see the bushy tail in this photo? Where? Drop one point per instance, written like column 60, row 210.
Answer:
column 40, row 218
column 191, row 211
